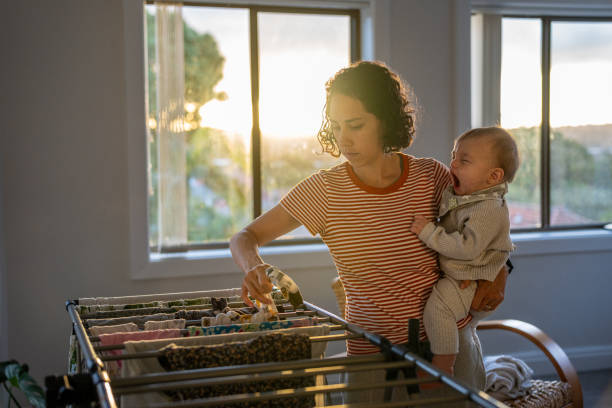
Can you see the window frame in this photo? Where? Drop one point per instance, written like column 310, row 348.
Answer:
column 488, row 97
column 208, row 259
column 254, row 10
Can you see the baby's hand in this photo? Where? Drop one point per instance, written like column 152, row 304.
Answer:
column 418, row 224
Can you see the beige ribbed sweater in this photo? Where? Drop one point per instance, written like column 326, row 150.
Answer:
column 473, row 235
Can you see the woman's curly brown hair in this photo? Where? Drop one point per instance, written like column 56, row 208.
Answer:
column 382, row 93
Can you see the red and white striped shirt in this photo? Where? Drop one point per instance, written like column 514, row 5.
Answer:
column 387, row 272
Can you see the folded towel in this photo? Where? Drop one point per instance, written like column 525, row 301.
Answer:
column 507, row 377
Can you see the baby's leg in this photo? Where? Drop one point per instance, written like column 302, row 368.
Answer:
column 446, row 305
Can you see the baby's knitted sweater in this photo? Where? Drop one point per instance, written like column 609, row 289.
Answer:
column 473, row 234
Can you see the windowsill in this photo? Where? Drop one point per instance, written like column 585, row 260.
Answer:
column 219, row 261
column 562, row 242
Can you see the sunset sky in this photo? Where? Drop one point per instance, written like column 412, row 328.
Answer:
column 581, row 73
column 291, row 82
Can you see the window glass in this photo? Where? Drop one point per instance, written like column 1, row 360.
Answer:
column 295, row 62
column 200, row 170
column 581, row 123
column 199, row 113
column 521, row 114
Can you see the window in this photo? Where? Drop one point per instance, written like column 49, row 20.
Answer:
column 555, row 81
column 234, row 98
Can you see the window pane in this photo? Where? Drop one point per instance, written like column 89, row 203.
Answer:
column 213, row 133
column 295, row 61
column 521, row 113
column 581, row 123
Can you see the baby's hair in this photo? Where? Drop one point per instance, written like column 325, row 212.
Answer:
column 503, row 144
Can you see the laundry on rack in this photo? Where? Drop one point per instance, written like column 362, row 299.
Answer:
column 507, row 377
column 271, row 347
column 120, row 338
column 138, row 320
column 187, row 314
column 193, row 314
column 72, row 354
column 160, row 297
column 140, row 366
column 103, row 311
column 165, row 324
column 111, row 314
column 117, row 328
column 114, row 367
column 219, row 319
column 94, row 331
column 249, row 327
column 234, row 316
column 219, row 305
column 164, row 299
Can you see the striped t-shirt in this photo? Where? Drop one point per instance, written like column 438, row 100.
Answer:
column 387, row 272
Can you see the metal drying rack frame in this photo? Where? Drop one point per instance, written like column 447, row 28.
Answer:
column 393, row 358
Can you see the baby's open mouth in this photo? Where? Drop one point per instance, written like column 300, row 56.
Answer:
column 455, row 181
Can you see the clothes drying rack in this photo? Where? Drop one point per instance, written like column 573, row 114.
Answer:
column 91, row 384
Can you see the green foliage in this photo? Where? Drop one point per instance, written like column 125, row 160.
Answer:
column 16, row 375
column 151, row 58
column 580, row 180
column 218, row 165
column 571, row 163
column 526, row 185
column 285, row 162
column 203, row 66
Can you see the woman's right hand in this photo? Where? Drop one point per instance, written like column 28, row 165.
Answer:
column 256, row 283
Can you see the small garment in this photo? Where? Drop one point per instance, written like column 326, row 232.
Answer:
column 122, row 300
column 236, row 317
column 165, row 324
column 108, row 308
column 218, row 304
column 138, row 320
column 269, row 348
column 251, row 327
column 114, row 367
column 507, row 377
column 111, row 314
column 193, row 314
column 117, row 328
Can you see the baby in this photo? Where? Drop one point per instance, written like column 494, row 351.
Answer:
column 472, row 235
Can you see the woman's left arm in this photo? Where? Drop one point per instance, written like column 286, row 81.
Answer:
column 489, row 294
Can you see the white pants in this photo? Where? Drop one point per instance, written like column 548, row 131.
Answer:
column 446, row 305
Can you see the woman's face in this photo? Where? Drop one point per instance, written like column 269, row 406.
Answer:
column 358, row 132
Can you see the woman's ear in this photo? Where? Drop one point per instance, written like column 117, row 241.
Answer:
column 496, row 175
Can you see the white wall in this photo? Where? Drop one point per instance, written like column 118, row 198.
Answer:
column 4, row 353
column 63, row 153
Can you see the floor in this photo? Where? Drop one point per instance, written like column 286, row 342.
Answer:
column 596, row 388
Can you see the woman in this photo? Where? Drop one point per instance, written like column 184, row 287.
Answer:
column 363, row 210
